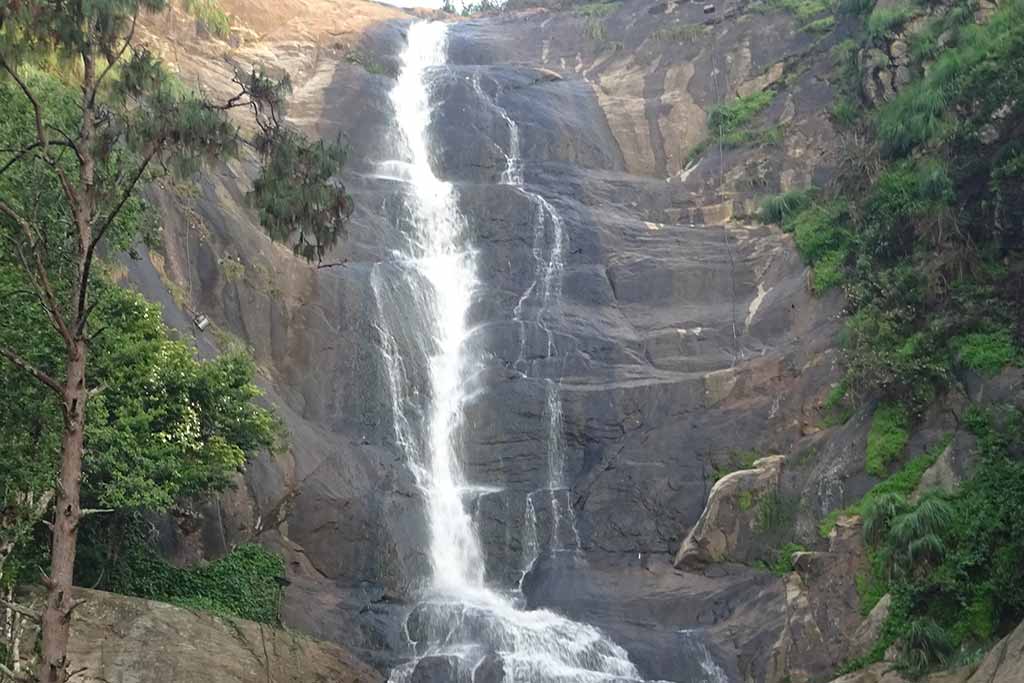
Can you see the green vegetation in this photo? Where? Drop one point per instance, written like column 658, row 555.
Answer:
column 729, row 124
column 597, row 10
column 986, row 352
column 888, row 437
column 823, row 25
column 776, row 513
column 738, row 460
column 806, row 11
column 884, row 20
column 595, row 30
column 680, row 33
column 780, row 208
column 781, row 563
column 102, row 409
column 902, row 483
column 210, row 15
column 932, row 286
column 242, row 584
column 731, row 116
column 746, row 501
column 952, row 563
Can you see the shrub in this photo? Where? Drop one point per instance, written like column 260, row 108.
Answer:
column 780, row 207
column 986, row 352
column 820, row 229
column 888, row 437
column 242, row 584
column 783, row 562
column 886, row 19
column 731, row 116
column 829, row 271
column 597, row 9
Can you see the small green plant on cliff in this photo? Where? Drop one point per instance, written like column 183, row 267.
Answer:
column 804, row 10
column 731, row 116
column 781, row 207
column 737, row 460
column 681, row 33
column 986, row 352
column 884, row 20
column 888, row 437
column 210, row 14
column 597, row 9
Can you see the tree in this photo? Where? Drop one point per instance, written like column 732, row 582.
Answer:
column 130, row 120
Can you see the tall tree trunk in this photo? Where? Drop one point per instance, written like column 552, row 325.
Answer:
column 56, row 622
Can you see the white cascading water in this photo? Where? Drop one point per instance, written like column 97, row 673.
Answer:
column 424, row 295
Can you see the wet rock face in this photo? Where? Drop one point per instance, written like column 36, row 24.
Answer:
column 677, row 336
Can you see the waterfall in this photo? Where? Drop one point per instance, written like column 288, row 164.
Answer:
column 423, row 295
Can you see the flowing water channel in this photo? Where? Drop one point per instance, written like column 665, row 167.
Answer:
column 464, row 629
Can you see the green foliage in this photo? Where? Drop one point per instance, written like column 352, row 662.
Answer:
column 888, row 437
column 884, row 20
column 737, row 460
column 745, row 501
column 731, row 116
column 595, row 30
column 804, row 10
column 900, row 485
column 783, row 562
column 597, row 9
column 241, row 584
column 781, row 207
column 986, row 352
column 298, row 196
column 953, row 564
column 166, row 425
column 680, row 33
column 776, row 512
column 838, row 406
column 210, row 14
column 974, row 80
column 823, row 25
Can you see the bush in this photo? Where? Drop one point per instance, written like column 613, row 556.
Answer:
column 888, row 437
column 779, row 208
column 829, row 271
column 886, row 19
column 731, row 116
column 986, row 352
column 820, row 229
column 242, row 584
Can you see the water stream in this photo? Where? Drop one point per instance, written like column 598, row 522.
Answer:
column 462, row 626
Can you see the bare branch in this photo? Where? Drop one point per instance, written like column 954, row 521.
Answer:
column 96, row 511
column 38, row 374
column 15, row 675
column 20, row 609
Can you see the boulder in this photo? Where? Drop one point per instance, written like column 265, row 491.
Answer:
column 730, row 517
column 822, row 609
column 1005, row 662
column 131, row 640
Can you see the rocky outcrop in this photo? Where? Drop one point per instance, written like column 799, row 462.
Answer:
column 130, row 640
column 1005, row 662
column 823, row 609
column 730, row 522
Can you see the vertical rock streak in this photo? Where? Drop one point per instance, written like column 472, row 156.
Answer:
column 423, row 296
